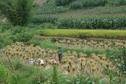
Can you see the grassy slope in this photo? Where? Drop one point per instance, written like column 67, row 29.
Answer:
column 95, row 11
column 52, row 9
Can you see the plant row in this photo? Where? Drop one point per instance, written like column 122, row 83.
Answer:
column 85, row 22
column 74, row 4
column 84, row 33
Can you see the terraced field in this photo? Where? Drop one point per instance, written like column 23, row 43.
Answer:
column 77, row 33
column 71, row 63
column 90, row 35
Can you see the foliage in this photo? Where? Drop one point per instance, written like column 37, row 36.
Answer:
column 93, row 22
column 4, row 75
column 20, row 34
column 55, row 75
column 117, row 2
column 76, row 5
column 44, row 19
column 83, row 22
column 5, row 39
column 63, row 2
column 87, row 3
column 121, row 59
column 17, row 12
column 49, row 8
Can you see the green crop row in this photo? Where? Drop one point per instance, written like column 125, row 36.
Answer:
column 87, row 3
column 93, row 3
column 84, row 33
column 93, row 22
column 85, row 22
column 44, row 19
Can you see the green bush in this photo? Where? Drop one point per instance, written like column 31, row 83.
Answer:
column 117, row 2
column 63, row 2
column 5, row 40
column 21, row 37
column 20, row 34
column 17, row 11
column 92, row 3
column 76, row 5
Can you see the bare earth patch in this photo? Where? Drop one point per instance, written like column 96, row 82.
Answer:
column 39, row 2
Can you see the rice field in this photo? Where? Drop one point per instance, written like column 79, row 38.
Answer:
column 76, row 33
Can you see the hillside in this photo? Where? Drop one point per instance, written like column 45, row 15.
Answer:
column 55, row 14
column 63, row 42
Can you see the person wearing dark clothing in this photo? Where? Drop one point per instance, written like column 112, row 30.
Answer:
column 60, row 54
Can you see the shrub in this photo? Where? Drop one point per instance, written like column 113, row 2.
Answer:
column 5, row 40
column 22, row 37
column 117, row 2
column 76, row 5
column 17, row 11
column 92, row 3
column 20, row 34
column 63, row 2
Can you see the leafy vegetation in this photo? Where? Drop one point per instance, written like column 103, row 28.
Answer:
column 49, row 8
column 17, row 11
column 63, row 2
column 93, row 22
column 87, row 3
column 44, row 19
column 120, row 57
column 91, row 34
column 84, row 22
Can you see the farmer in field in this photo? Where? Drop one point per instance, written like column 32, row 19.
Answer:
column 42, row 61
column 60, row 54
column 52, row 59
column 31, row 61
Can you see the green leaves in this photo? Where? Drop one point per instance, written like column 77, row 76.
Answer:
column 17, row 11
column 93, row 22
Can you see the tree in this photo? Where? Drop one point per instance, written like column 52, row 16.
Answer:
column 18, row 12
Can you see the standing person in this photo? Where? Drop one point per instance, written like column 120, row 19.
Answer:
column 60, row 54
